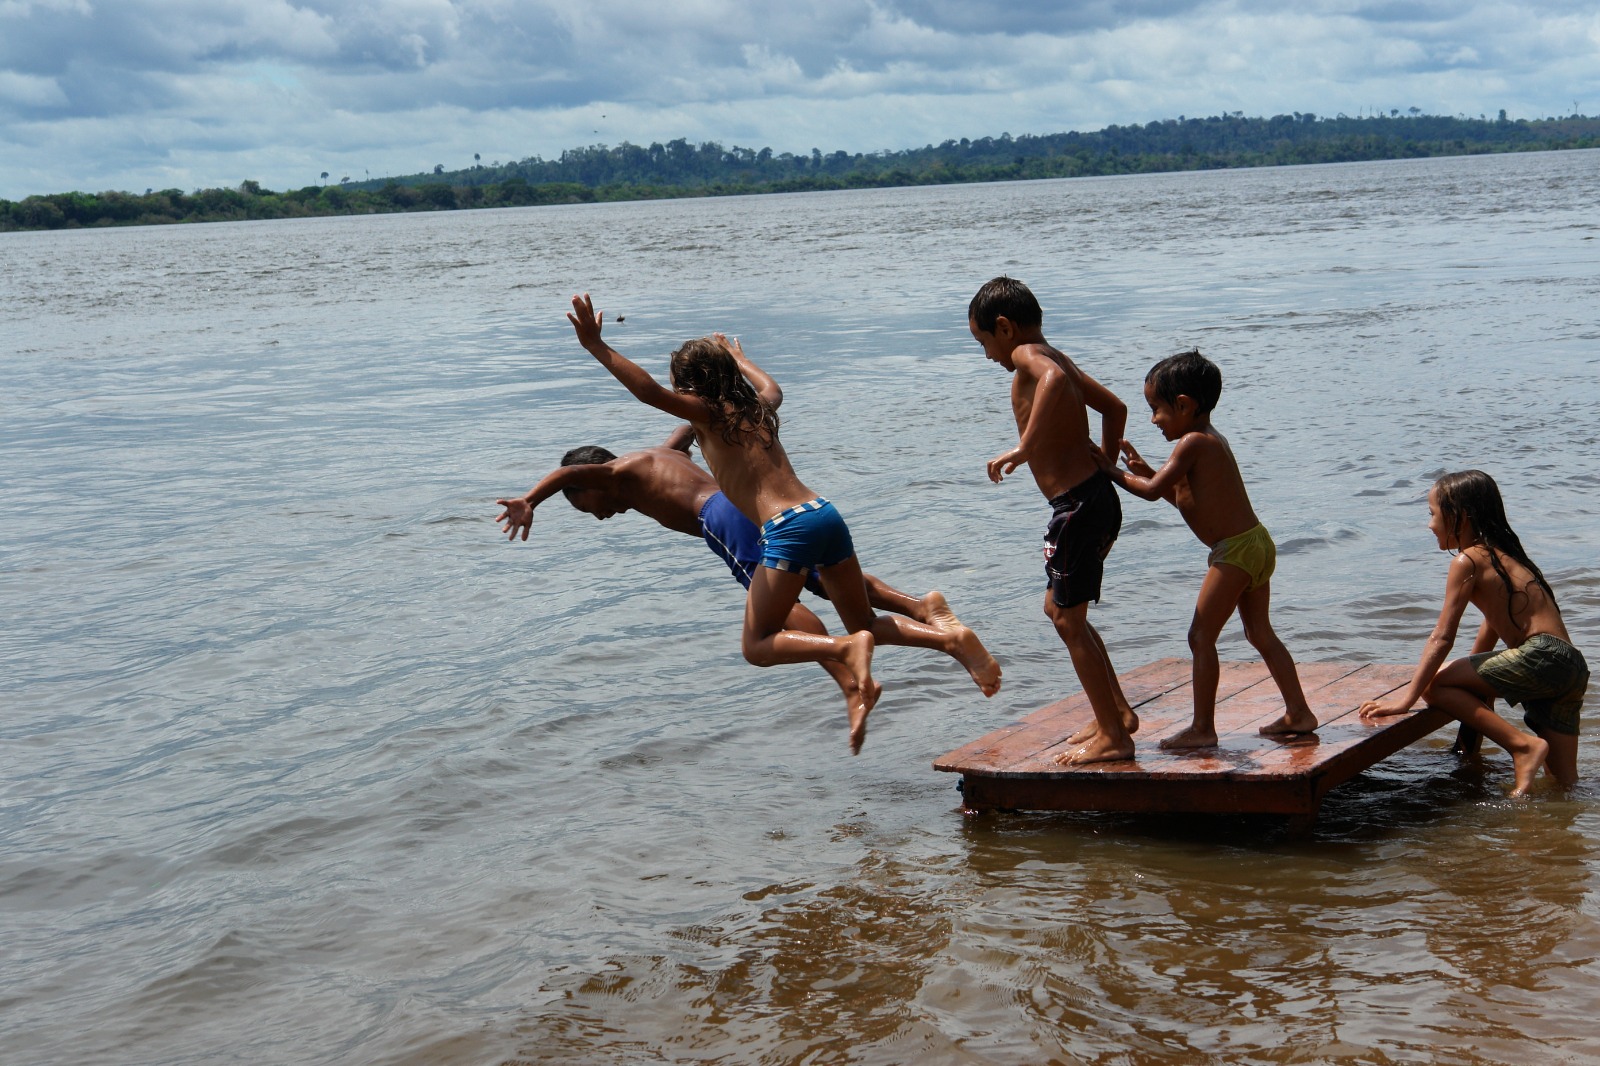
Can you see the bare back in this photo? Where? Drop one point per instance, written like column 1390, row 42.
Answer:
column 1059, row 451
column 1535, row 611
column 755, row 476
column 666, row 485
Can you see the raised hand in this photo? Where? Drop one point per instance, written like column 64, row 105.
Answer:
column 586, row 321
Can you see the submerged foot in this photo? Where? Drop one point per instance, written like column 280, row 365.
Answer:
column 1192, row 737
column 1527, row 764
column 1291, row 723
column 1098, row 749
column 970, row 652
column 936, row 612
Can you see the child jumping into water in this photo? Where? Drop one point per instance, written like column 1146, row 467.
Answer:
column 731, row 404
column 1050, row 398
column 1201, row 478
column 665, row 484
column 1540, row 669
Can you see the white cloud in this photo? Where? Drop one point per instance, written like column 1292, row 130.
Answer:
column 192, row 93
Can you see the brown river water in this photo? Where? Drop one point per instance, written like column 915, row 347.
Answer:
column 305, row 764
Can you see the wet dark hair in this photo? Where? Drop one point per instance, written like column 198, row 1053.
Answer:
column 1186, row 374
column 584, row 455
column 1008, row 297
column 705, row 368
column 1472, row 496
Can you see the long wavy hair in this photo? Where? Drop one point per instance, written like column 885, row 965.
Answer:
column 1472, row 496
column 706, row 369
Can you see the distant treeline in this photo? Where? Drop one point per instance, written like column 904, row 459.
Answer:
column 678, row 168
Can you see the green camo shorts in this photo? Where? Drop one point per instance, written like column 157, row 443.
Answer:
column 1546, row 675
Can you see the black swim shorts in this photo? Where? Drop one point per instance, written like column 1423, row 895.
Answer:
column 1086, row 522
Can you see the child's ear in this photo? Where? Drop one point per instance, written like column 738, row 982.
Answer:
column 1185, row 405
column 1004, row 328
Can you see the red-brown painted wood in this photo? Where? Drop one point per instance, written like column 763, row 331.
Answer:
column 1013, row 767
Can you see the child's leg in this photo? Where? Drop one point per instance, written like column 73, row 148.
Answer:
column 803, row 619
column 847, row 590
column 1297, row 716
column 1130, row 721
column 1110, row 741
column 1562, row 761
column 766, row 642
column 1219, row 594
column 1458, row 691
column 931, row 609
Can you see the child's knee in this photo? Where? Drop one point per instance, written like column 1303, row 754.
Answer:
column 1069, row 623
column 1200, row 639
column 756, row 653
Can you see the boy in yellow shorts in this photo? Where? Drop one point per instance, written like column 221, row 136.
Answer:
column 1201, row 478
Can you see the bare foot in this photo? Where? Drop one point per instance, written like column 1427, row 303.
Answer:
column 970, row 652
column 1290, row 724
column 858, row 660
column 1130, row 722
column 1097, row 750
column 859, row 709
column 936, row 612
column 1527, row 764
column 1193, row 737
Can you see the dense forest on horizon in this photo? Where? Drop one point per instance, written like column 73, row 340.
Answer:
column 677, row 169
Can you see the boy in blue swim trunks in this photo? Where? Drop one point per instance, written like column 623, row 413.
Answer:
column 664, row 484
column 1202, row 480
column 732, row 405
column 1050, row 398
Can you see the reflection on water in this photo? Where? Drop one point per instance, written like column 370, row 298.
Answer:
column 309, row 765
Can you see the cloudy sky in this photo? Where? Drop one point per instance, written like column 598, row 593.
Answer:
column 136, row 94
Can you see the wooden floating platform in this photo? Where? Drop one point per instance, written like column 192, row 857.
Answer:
column 1012, row 768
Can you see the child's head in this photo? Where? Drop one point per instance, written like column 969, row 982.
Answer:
column 588, row 500
column 1465, row 509
column 1186, row 374
column 1004, row 297
column 706, row 368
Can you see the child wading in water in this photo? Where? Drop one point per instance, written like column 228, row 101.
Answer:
column 732, row 405
column 1540, row 669
column 1050, row 398
column 1201, row 478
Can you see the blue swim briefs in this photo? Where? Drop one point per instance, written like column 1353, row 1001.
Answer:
column 805, row 537
column 737, row 541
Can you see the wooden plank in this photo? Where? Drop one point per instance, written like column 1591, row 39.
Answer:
column 1246, row 773
column 1062, row 718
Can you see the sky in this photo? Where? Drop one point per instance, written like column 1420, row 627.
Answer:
column 189, row 94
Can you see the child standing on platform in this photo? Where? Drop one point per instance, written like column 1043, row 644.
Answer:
column 1050, row 398
column 1540, row 669
column 1201, row 478
column 732, row 405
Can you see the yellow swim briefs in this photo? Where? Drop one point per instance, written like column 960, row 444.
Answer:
column 1251, row 551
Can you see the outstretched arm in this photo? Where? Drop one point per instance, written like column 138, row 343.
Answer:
column 586, row 322
column 1457, row 594
column 518, row 510
column 1163, row 483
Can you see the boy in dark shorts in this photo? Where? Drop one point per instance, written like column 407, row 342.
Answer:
column 1050, row 397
